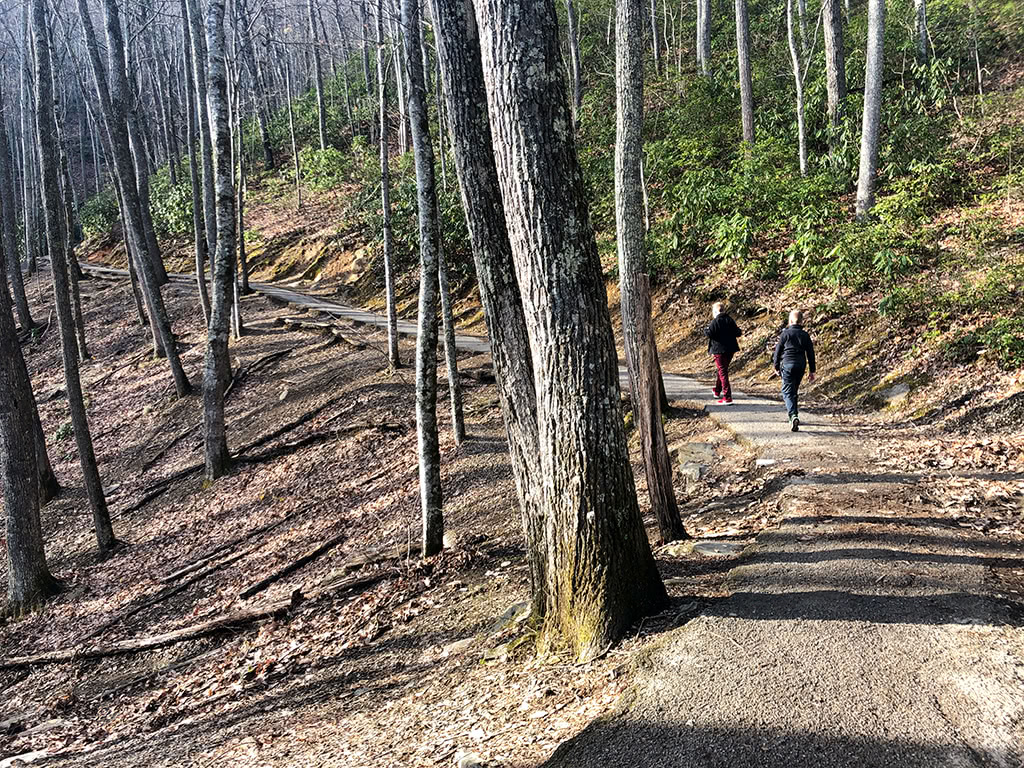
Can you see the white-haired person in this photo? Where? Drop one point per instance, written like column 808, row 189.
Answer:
column 794, row 356
column 722, row 333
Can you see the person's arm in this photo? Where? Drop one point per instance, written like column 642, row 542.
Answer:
column 810, row 357
column 777, row 355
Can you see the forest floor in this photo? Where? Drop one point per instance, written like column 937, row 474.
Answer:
column 421, row 664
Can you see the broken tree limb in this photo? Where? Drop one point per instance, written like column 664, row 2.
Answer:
column 220, row 550
column 225, row 621
column 168, row 593
column 280, row 573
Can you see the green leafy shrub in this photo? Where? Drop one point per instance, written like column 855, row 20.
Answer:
column 963, row 348
column 324, row 169
column 171, row 205
column 99, row 213
column 1005, row 337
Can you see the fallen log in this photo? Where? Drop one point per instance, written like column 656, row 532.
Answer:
column 168, row 593
column 224, row 621
column 234, row 619
column 219, row 550
column 279, row 574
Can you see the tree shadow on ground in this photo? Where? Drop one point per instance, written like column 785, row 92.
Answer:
column 627, row 742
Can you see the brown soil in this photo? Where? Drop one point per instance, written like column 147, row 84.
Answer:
column 411, row 671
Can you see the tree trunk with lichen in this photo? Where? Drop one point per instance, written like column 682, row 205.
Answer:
column 637, row 325
column 466, row 101
column 600, row 574
column 53, row 211
column 217, row 372
column 28, row 578
column 426, row 337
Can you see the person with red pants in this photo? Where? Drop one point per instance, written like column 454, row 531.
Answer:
column 722, row 335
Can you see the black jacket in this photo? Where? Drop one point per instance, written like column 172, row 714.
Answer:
column 722, row 333
column 793, row 348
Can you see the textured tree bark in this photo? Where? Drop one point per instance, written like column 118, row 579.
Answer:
column 835, row 62
column 921, row 18
column 48, row 485
column 655, row 39
column 799, row 79
column 199, row 75
column 746, row 81
column 318, row 77
column 704, row 36
column 218, row 367
column 364, row 24
column 28, row 578
column 401, row 82
column 466, row 97
column 11, row 263
column 198, row 223
column 112, row 104
column 637, row 326
column 385, row 192
column 426, row 337
column 573, row 33
column 873, row 74
column 57, row 236
column 600, row 574
column 451, row 351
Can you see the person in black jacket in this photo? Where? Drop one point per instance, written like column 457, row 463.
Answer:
column 794, row 355
column 722, row 333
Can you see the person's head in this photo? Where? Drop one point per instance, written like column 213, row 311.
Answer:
column 717, row 308
column 796, row 317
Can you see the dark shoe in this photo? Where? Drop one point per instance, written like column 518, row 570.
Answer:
column 796, row 423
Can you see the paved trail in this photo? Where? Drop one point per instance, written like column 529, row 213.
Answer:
column 860, row 632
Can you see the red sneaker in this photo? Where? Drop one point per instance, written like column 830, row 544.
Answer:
column 715, row 394
column 725, row 401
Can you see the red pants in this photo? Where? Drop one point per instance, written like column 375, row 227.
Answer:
column 722, row 386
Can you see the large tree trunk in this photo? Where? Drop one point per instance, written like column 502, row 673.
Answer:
column 218, row 366
column 46, row 131
column 746, row 81
column 600, row 572
column 637, row 325
column 8, row 206
column 385, row 193
column 835, row 62
column 704, row 36
column 112, row 103
column 48, row 485
column 466, row 98
column 426, row 338
column 198, row 223
column 873, row 74
column 199, row 75
column 28, row 578
column 799, row 79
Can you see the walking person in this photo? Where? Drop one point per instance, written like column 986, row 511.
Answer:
column 794, row 355
column 722, row 333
